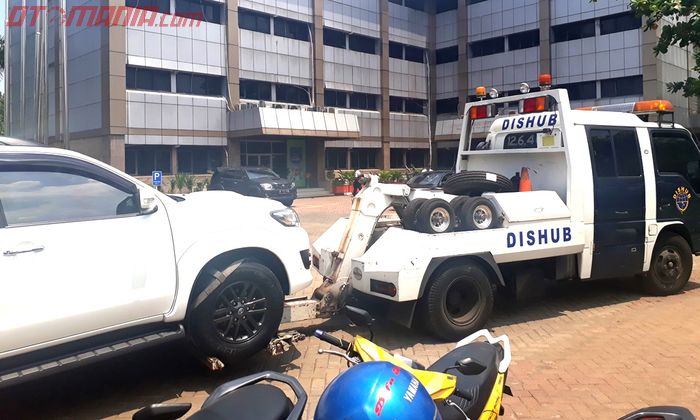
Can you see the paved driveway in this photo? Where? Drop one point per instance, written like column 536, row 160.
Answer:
column 584, row 351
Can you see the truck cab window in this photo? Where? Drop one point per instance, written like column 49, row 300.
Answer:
column 675, row 152
column 615, row 152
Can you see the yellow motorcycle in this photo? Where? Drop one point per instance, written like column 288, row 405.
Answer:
column 466, row 383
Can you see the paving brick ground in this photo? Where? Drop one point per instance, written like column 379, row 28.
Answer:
column 593, row 350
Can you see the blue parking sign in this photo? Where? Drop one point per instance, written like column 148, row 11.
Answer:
column 157, row 178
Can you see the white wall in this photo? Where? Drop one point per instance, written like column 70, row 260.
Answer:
column 501, row 17
column 292, row 9
column 408, row 26
column 356, row 16
column 351, row 70
column 446, row 29
column 192, row 49
column 407, row 79
column 274, row 58
column 565, row 11
column 505, row 71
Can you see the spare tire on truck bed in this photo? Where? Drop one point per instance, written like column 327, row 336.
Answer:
column 475, row 183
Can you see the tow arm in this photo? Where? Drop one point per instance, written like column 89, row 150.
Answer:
column 333, row 252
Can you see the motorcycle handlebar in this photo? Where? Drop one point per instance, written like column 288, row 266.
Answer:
column 335, row 341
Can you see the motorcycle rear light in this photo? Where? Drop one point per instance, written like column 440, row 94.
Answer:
column 382, row 287
column 538, row 104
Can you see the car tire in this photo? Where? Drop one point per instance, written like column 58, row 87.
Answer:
column 410, row 213
column 671, row 266
column 436, row 216
column 237, row 312
column 458, row 301
column 457, row 205
column 475, row 183
column 479, row 214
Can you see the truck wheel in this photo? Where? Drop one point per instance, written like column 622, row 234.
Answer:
column 458, row 301
column 479, row 214
column 436, row 216
column 457, row 204
column 477, row 183
column 237, row 312
column 409, row 218
column 671, row 265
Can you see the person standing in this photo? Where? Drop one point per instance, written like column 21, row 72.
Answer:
column 357, row 183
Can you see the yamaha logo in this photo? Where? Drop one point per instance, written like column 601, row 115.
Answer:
column 682, row 199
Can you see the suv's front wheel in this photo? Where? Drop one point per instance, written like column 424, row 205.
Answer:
column 237, row 312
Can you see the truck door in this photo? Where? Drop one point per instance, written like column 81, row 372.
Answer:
column 619, row 209
column 677, row 163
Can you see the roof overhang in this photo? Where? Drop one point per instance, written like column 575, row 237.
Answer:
column 251, row 120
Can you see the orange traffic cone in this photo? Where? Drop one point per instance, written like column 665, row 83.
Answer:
column 525, row 184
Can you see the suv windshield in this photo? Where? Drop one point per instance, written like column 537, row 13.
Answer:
column 260, row 173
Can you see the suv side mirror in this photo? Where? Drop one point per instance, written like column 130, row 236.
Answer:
column 148, row 203
column 358, row 316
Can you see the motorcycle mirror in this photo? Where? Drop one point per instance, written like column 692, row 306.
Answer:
column 162, row 411
column 358, row 316
column 660, row 413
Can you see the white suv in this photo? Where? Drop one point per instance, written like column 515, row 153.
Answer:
column 95, row 263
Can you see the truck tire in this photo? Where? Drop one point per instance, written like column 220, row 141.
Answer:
column 479, row 214
column 436, row 216
column 237, row 312
column 457, row 204
column 410, row 213
column 475, row 183
column 458, row 301
column 671, row 265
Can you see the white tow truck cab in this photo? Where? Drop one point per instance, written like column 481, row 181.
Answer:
column 612, row 195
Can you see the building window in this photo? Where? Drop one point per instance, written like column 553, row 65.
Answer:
column 160, row 6
column 199, row 84
column 143, row 160
column 336, row 158
column 396, row 158
column 363, row 101
column 621, row 86
column 395, row 50
column 416, row 158
column 579, row 91
column 415, row 54
column 363, row 158
column 447, row 106
column 620, row 22
column 446, row 55
column 254, row 89
column 415, row 4
column 199, row 159
column 289, row 28
column 414, row 106
column 524, row 40
column 487, row 47
column 292, row 94
column 395, row 104
column 445, row 5
column 334, row 38
column 200, row 10
column 475, row 1
column 446, row 158
column 253, row 21
column 147, row 79
column 361, row 43
column 336, row 98
column 399, row 2
column 574, row 30
column 267, row 154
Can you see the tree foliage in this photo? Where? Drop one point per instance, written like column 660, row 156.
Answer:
column 2, row 53
column 680, row 26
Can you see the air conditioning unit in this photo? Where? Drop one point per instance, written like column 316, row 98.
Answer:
column 330, row 109
column 262, row 104
column 278, row 106
column 293, row 107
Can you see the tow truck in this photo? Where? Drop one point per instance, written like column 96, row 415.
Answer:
column 613, row 194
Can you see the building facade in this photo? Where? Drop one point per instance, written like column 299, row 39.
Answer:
column 306, row 86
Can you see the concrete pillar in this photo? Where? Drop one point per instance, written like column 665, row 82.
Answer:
column 384, row 161
column 319, row 87
column 463, row 54
column 432, row 77
column 232, row 51
column 234, row 152
column 173, row 160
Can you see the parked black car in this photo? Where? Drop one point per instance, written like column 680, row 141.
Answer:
column 255, row 182
column 429, row 180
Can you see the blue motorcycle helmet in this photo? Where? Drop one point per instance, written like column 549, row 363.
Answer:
column 376, row 390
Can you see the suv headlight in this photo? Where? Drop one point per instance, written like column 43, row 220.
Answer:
column 293, row 185
column 266, row 187
column 287, row 217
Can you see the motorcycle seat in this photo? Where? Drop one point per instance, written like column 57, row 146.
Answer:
column 253, row 402
column 476, row 381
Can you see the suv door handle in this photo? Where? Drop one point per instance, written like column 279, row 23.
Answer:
column 30, row 248
column 622, row 213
